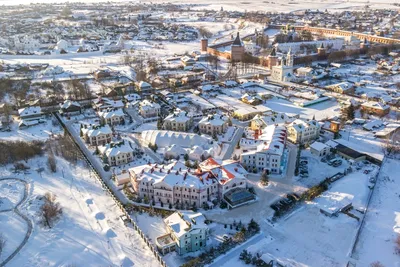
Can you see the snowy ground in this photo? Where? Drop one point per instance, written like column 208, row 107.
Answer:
column 382, row 223
column 90, row 231
column 11, row 193
column 13, row 228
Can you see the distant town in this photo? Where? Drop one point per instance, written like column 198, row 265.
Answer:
column 158, row 134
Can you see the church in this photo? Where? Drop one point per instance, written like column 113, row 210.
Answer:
column 284, row 71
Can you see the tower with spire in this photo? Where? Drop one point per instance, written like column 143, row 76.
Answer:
column 284, row 71
column 237, row 49
column 321, row 51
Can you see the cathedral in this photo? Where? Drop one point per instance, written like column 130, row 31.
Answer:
column 284, row 71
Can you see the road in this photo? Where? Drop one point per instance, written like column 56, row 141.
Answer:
column 261, row 210
column 25, row 218
column 232, row 144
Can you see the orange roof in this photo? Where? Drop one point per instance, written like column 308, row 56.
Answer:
column 230, row 175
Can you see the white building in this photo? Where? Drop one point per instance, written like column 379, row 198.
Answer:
column 144, row 88
column 301, row 132
column 112, row 116
column 30, row 113
column 117, row 153
column 266, row 152
column 319, row 149
column 177, row 144
column 149, row 109
column 175, row 184
column 213, row 124
column 188, row 231
column 178, row 121
column 284, row 71
column 97, row 135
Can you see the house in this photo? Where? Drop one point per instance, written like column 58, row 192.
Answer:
column 213, row 124
column 106, row 103
column 251, row 100
column 266, row 152
column 132, row 98
column 30, row 113
column 187, row 231
column 144, row 88
column 319, row 149
column 177, row 185
column 187, row 61
column 248, row 113
column 112, row 116
column 97, row 135
column 116, row 154
column 301, row 132
column 149, row 109
column 375, row 108
column 178, row 121
column 342, row 88
column 70, row 107
column 259, row 122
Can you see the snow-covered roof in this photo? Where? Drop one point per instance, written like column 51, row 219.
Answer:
column 115, row 149
column 111, row 113
column 318, row 146
column 29, row 111
column 178, row 116
column 182, row 222
column 375, row 105
column 300, row 125
column 69, row 103
column 168, row 138
column 97, row 130
column 215, row 120
column 132, row 97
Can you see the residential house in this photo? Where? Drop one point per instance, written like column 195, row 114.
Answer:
column 266, row 152
column 213, row 124
column 149, row 109
column 375, row 108
column 106, row 103
column 30, row 113
column 144, row 88
column 112, row 116
column 178, row 121
column 97, row 135
column 187, row 231
column 301, row 132
column 117, row 153
column 342, row 88
column 70, row 107
column 175, row 184
column 319, row 149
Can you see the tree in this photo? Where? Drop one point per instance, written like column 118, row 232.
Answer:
column 203, row 31
column 376, row 264
column 97, row 151
column 3, row 242
column 51, row 162
column 253, row 226
column 186, row 157
column 50, row 210
column 159, row 124
column 350, row 112
column 264, row 180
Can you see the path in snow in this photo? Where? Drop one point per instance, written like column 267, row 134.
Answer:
column 25, row 218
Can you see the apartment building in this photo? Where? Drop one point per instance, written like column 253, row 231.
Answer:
column 178, row 121
column 302, row 132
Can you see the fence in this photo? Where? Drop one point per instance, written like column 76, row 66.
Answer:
column 116, row 200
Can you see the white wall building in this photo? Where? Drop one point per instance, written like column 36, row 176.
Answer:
column 213, row 124
column 97, row 135
column 266, row 152
column 149, row 109
column 301, row 132
column 284, row 71
column 319, row 149
column 112, row 116
column 178, row 121
column 117, row 153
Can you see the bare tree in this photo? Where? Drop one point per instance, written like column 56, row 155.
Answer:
column 51, row 162
column 391, row 148
column 3, row 242
column 376, row 264
column 50, row 210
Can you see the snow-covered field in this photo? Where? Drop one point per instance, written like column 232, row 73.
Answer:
column 382, row 223
column 90, row 231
